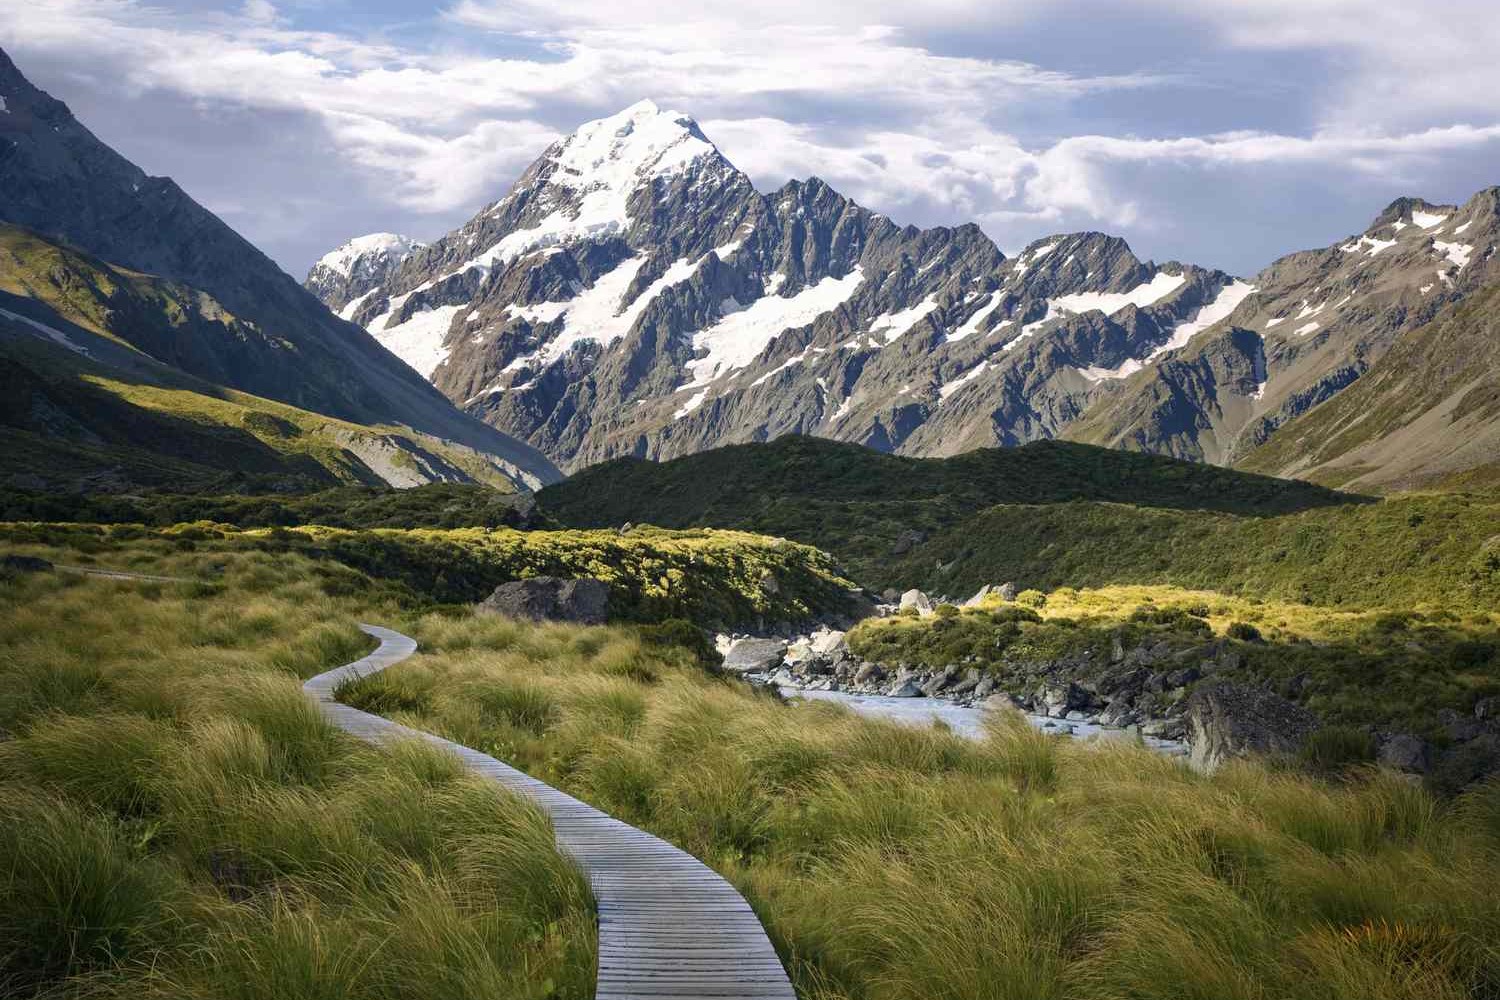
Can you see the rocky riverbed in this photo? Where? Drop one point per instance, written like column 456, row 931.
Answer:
column 819, row 665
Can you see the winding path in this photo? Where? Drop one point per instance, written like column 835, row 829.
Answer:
column 670, row 927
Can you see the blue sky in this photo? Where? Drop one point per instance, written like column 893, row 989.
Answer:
column 1222, row 132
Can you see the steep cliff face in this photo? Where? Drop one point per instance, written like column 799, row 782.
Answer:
column 634, row 294
column 266, row 335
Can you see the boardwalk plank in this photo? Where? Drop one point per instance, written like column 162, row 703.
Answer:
column 670, row 928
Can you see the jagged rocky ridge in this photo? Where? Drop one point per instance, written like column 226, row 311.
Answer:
column 635, row 295
column 1318, row 321
column 245, row 325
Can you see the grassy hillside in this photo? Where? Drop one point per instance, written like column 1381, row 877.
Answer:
column 177, row 820
column 1440, row 552
column 115, row 419
column 857, row 503
column 716, row 578
column 95, row 392
column 435, row 505
column 1427, row 414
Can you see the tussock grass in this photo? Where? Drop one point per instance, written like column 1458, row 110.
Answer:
column 898, row 863
column 178, row 820
column 230, row 845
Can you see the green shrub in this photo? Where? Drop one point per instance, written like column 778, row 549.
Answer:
column 1244, row 632
column 1031, row 599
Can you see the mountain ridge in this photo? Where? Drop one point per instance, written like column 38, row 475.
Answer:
column 694, row 311
column 276, row 341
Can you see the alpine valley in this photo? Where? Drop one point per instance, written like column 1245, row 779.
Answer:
column 634, row 295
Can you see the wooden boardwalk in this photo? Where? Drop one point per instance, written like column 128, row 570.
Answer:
column 670, row 927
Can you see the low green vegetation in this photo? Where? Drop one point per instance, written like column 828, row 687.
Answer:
column 435, row 505
column 177, row 820
column 1374, row 668
column 891, row 863
column 1435, row 552
column 867, row 507
column 718, row 578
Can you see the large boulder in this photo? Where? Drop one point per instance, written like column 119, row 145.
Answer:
column 1227, row 720
column 547, row 598
column 828, row 642
column 917, row 601
column 748, row 656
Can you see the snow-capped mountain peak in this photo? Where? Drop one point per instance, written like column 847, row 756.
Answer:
column 343, row 276
column 621, row 152
column 344, row 260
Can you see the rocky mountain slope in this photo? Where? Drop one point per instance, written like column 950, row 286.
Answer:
column 1318, row 321
column 346, row 275
column 1426, row 414
column 634, row 294
column 148, row 266
column 87, row 404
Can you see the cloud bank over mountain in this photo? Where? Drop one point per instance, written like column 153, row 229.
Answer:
column 1219, row 132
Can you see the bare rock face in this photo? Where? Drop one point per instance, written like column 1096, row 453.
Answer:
column 915, row 600
column 1227, row 720
column 547, row 598
column 752, row 655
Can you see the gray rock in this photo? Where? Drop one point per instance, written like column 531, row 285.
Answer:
column 753, row 655
column 983, row 688
column 979, row 596
column 1487, row 708
column 828, row 642
column 869, row 673
column 1057, row 700
column 917, row 601
column 1225, row 720
column 938, row 682
column 547, row 598
column 1077, row 716
column 1405, row 752
column 905, row 689
column 1007, row 591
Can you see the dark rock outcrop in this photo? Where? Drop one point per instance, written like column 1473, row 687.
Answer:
column 1227, row 719
column 546, row 598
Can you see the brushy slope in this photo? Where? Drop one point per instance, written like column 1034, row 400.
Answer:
column 857, row 503
column 1363, row 669
column 435, row 505
column 901, row 864
column 1407, row 552
column 715, row 578
column 177, row 820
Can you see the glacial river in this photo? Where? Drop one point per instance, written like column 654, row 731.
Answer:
column 968, row 721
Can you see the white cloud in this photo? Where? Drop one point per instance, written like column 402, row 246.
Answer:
column 863, row 94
